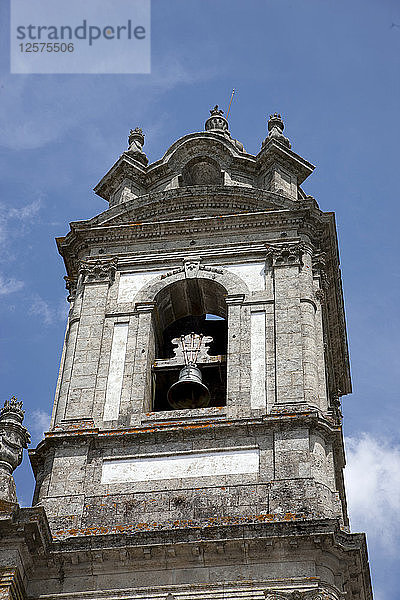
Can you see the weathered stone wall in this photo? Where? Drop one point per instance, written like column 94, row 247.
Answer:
column 274, row 330
column 242, row 499
column 275, row 366
column 199, row 473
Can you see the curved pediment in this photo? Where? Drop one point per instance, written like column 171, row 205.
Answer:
column 204, row 158
column 195, row 201
column 208, row 158
column 221, row 147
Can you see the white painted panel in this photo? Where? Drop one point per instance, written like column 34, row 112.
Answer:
column 131, row 283
column 115, row 372
column 258, row 359
column 253, row 274
column 201, row 464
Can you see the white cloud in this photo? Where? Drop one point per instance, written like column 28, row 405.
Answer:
column 28, row 122
column 42, row 309
column 45, row 311
column 8, row 286
column 13, row 221
column 25, row 213
column 39, row 422
column 373, row 490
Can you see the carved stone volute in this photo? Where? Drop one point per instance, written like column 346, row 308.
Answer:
column 71, row 286
column 14, row 437
column 99, row 271
column 284, row 255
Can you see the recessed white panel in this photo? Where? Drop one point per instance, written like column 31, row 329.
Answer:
column 258, row 358
column 115, row 372
column 131, row 283
column 178, row 466
column 253, row 274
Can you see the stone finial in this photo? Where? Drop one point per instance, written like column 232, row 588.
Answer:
column 14, row 437
column 12, row 409
column 216, row 121
column 216, row 111
column 275, row 123
column 275, row 129
column 136, row 139
column 136, row 143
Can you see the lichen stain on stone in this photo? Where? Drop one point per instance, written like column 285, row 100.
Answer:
column 179, row 524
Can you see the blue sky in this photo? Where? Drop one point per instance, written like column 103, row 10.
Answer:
column 332, row 70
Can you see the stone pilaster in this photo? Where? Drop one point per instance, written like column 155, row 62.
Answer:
column 308, row 329
column 144, row 356
column 239, row 363
column 286, row 262
column 85, row 339
column 320, row 282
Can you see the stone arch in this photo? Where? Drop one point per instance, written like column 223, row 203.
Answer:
column 205, row 143
column 190, row 296
column 237, row 322
column 232, row 283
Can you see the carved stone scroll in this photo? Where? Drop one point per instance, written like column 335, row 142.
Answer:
column 283, row 255
column 99, row 271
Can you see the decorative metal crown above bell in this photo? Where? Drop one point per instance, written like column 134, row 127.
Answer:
column 216, row 122
column 189, row 391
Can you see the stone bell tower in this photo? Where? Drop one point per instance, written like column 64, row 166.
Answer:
column 195, row 448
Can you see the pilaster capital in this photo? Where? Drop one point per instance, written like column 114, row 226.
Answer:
column 144, row 307
column 319, row 268
column 234, row 299
column 320, row 295
column 286, row 255
column 98, row 271
column 11, row 584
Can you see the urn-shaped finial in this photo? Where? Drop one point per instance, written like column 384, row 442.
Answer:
column 275, row 123
column 14, row 437
column 216, row 121
column 275, row 129
column 12, row 411
column 136, row 143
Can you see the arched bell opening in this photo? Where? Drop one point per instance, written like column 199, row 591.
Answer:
column 191, row 330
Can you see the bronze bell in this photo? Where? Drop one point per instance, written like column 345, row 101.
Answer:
column 189, row 391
